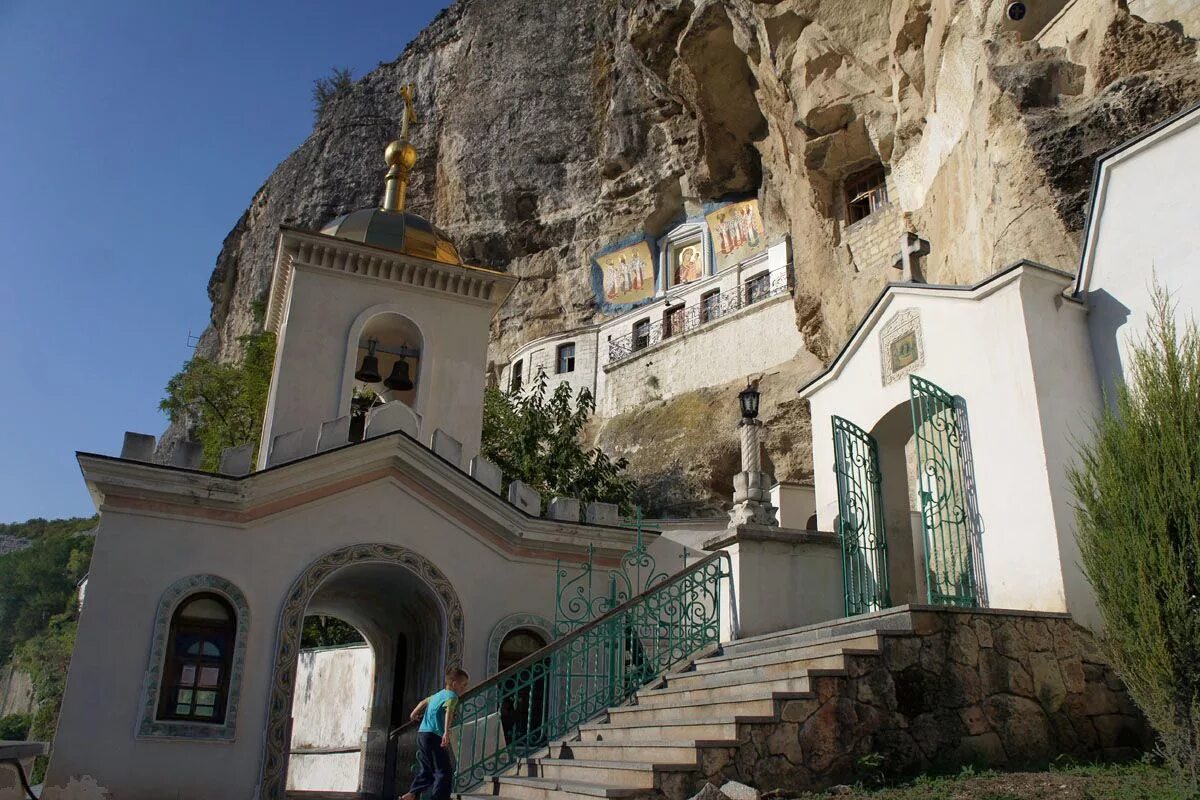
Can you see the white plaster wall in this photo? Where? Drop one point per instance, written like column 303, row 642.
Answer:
column 979, row 350
column 329, row 711
column 752, row 340
column 137, row 557
column 1147, row 225
column 544, row 353
column 311, row 383
column 1068, row 397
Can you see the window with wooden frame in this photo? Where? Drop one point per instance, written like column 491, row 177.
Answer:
column 673, row 321
column 757, row 288
column 514, row 381
column 710, row 305
column 199, row 659
column 566, row 358
column 641, row 334
column 866, row 193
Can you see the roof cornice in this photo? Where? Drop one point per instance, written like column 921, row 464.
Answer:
column 977, row 291
column 241, row 502
column 299, row 248
column 1101, row 174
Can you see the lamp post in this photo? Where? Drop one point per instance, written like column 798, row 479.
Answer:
column 751, row 486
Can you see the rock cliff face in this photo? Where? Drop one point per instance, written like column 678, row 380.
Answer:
column 549, row 130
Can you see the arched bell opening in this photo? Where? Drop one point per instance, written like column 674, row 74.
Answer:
column 387, row 367
column 893, row 433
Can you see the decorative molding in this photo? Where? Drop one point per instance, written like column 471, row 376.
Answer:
column 504, row 627
column 151, row 727
column 901, row 345
column 291, row 623
column 320, row 251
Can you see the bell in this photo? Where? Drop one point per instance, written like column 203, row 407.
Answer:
column 369, row 373
column 399, row 379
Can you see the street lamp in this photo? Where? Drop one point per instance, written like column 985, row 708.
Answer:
column 748, row 399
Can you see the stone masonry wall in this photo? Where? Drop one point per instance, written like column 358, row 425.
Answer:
column 966, row 688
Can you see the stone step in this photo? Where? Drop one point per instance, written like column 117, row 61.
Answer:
column 725, row 693
column 898, row 619
column 762, row 707
column 742, row 676
column 626, row 774
column 522, row 788
column 658, row 752
column 681, row 732
column 757, row 658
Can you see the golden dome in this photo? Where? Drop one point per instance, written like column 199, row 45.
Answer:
column 400, row 154
column 401, row 231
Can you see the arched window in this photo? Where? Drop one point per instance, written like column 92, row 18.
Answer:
column 199, row 660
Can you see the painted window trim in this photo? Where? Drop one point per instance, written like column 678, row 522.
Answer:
column 514, row 622
column 149, row 726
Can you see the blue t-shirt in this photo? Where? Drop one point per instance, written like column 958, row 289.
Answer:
column 434, row 720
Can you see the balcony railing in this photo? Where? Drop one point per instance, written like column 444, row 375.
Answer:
column 709, row 309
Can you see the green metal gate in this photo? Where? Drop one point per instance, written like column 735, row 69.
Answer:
column 942, row 470
column 860, row 514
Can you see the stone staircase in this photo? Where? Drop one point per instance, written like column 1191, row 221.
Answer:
column 913, row 687
column 657, row 745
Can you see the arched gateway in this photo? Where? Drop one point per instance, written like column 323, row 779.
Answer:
column 331, row 581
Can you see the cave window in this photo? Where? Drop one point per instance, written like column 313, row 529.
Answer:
column 515, row 380
column 866, row 193
column 199, row 657
column 710, row 305
column 566, row 358
column 673, row 321
column 757, row 288
column 641, row 334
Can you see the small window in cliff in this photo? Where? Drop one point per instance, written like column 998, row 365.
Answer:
column 641, row 334
column 515, row 381
column 566, row 358
column 866, row 193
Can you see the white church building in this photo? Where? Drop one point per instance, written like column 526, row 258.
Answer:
column 942, row 435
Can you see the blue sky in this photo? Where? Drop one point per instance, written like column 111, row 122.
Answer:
column 132, row 137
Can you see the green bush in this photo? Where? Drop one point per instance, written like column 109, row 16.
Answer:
column 325, row 89
column 46, row 658
column 222, row 404
column 1137, row 489
column 14, row 727
column 537, row 439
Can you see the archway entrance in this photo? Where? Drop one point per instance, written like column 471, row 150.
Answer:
column 409, row 615
column 523, row 718
column 906, row 505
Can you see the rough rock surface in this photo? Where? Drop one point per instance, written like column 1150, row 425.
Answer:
column 965, row 688
column 551, row 130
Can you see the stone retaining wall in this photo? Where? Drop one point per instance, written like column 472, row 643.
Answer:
column 965, row 688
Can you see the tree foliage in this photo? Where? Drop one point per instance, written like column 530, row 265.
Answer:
column 39, row 528
column 46, row 658
column 1137, row 489
column 325, row 89
column 39, row 582
column 536, row 437
column 222, row 404
column 322, row 631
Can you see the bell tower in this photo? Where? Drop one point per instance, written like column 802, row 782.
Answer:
column 377, row 308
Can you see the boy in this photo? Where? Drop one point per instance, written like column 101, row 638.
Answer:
column 436, row 713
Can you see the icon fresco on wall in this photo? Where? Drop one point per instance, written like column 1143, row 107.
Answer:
column 737, row 232
column 627, row 274
column 687, row 263
column 901, row 346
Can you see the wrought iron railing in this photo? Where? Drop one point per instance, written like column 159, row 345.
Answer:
column 709, row 309
column 576, row 599
column 601, row 664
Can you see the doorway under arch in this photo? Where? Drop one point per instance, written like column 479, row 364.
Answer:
column 409, row 614
column 893, row 433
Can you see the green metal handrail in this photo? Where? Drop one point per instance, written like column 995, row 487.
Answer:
column 519, row 711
